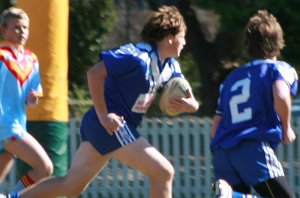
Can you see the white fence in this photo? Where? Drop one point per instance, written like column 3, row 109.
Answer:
column 179, row 140
column 185, row 142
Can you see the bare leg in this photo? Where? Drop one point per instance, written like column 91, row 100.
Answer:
column 6, row 163
column 77, row 179
column 144, row 157
column 30, row 151
column 140, row 155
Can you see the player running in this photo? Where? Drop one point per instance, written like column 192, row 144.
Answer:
column 254, row 114
column 19, row 86
column 122, row 86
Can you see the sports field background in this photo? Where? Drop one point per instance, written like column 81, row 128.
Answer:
column 185, row 141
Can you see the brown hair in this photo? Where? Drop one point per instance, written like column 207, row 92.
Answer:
column 11, row 13
column 263, row 36
column 167, row 20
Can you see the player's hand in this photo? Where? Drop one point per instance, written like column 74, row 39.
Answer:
column 33, row 98
column 182, row 104
column 288, row 136
column 111, row 122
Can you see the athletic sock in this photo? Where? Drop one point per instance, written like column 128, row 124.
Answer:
column 24, row 182
column 13, row 195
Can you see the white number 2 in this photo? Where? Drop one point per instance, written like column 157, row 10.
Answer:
column 246, row 113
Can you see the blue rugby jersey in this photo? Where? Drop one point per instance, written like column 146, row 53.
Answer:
column 246, row 103
column 134, row 74
column 18, row 76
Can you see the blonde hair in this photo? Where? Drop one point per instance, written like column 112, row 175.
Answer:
column 12, row 13
column 163, row 22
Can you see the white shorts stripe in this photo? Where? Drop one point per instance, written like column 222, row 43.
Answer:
column 124, row 135
column 274, row 166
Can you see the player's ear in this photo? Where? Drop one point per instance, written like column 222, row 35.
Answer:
column 170, row 39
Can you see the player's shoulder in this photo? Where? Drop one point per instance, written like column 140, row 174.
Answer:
column 283, row 66
column 5, row 49
column 138, row 51
column 280, row 70
column 144, row 46
column 133, row 48
column 265, row 63
column 275, row 64
column 234, row 73
column 287, row 71
column 30, row 56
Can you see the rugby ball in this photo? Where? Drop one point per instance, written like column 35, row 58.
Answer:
column 175, row 87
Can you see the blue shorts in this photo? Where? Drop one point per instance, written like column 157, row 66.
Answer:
column 10, row 134
column 250, row 162
column 91, row 130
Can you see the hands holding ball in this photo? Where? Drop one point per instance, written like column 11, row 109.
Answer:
column 177, row 97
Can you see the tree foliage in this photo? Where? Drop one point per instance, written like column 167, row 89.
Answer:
column 90, row 21
column 235, row 14
column 5, row 4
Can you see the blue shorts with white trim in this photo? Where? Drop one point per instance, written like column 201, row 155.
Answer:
column 91, row 130
column 250, row 162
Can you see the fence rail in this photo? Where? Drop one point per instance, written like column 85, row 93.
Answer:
column 185, row 142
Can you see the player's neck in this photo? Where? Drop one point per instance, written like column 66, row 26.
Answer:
column 162, row 50
column 274, row 58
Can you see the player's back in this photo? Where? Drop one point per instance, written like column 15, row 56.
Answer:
column 246, row 103
column 248, row 95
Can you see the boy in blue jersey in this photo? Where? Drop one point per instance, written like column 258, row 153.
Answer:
column 122, row 86
column 19, row 86
column 254, row 114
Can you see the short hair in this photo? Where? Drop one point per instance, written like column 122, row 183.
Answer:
column 163, row 22
column 11, row 13
column 263, row 36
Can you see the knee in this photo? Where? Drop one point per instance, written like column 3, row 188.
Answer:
column 164, row 173
column 47, row 168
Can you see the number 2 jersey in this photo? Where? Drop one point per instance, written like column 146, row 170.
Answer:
column 246, row 103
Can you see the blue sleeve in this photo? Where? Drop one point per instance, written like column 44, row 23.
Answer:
column 119, row 64
column 288, row 74
column 35, row 80
column 122, row 60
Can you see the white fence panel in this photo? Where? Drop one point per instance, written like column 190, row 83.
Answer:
column 185, row 142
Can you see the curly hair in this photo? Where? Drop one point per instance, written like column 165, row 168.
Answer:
column 263, row 36
column 163, row 22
